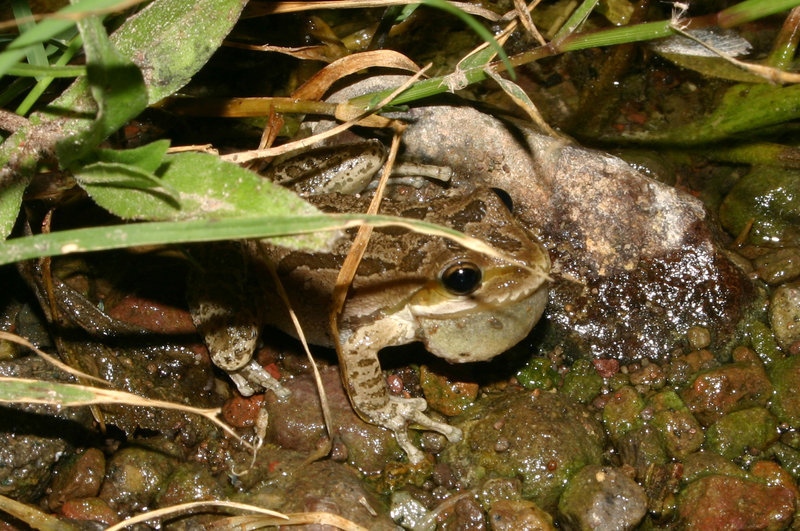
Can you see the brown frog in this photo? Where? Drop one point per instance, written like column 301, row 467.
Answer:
column 462, row 305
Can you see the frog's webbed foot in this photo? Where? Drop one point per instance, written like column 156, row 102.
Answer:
column 400, row 412
column 253, row 377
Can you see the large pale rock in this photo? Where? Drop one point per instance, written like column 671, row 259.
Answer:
column 635, row 262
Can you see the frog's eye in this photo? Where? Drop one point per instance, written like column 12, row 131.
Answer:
column 461, row 278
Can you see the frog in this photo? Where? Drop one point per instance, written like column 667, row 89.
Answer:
column 462, row 305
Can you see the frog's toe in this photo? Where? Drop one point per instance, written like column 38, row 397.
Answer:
column 405, row 411
column 414, row 454
column 253, row 376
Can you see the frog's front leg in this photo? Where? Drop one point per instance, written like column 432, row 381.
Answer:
column 361, row 370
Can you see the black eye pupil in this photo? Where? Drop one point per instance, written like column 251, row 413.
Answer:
column 462, row 278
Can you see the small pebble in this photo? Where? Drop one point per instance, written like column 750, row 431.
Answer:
column 699, row 337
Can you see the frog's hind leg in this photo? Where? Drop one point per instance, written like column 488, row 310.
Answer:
column 220, row 302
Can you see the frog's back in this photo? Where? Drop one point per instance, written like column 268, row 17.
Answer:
column 402, row 270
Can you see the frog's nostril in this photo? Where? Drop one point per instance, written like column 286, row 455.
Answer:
column 505, row 197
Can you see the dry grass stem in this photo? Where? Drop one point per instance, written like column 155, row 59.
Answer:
column 33, row 516
column 323, row 397
column 107, row 396
column 524, row 13
column 270, row 8
column 246, row 156
column 19, row 340
column 773, row 75
column 176, row 509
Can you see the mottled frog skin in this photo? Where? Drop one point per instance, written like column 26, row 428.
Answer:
column 462, row 305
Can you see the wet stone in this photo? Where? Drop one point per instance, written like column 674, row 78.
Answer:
column 726, row 502
column 641, row 449
column 778, row 266
column 467, row 514
column 622, row 413
column 727, row 388
column 296, row 423
column 189, row 482
column 632, row 272
column 323, row 486
column 603, row 498
column 784, row 314
column 33, row 437
column 679, row 430
column 547, row 436
column 767, row 196
column 785, row 376
column 740, row 431
column 511, row 515
column 89, row 509
column 134, row 477
column 499, row 489
column 77, row 476
column 701, row 464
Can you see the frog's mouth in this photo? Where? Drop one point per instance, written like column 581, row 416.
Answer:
column 481, row 333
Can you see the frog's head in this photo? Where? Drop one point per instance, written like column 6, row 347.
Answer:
column 474, row 306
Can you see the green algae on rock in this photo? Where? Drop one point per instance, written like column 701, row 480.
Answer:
column 785, row 376
column 739, row 431
column 543, row 438
column 771, row 198
column 679, row 430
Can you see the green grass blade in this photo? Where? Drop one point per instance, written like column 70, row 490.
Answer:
column 477, row 27
column 167, row 232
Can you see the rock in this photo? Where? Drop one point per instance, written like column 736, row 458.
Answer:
column 742, row 430
column 511, row 515
column 467, row 514
column 778, row 266
column 635, row 262
column 499, row 489
column 89, row 509
column 323, row 486
column 680, row 431
column 768, row 196
column 189, row 482
column 773, row 474
column 33, row 437
column 134, row 478
column 131, row 359
column 784, row 316
column 410, row 512
column 296, row 423
column 77, row 476
column 725, row 502
column 641, row 449
column 582, row 383
column 701, row 464
column 785, row 376
column 716, row 392
column 542, row 438
column 622, row 412
column 449, row 397
column 602, row 498
column 538, row 373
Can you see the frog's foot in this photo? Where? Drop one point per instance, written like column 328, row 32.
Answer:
column 400, row 412
column 253, row 377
